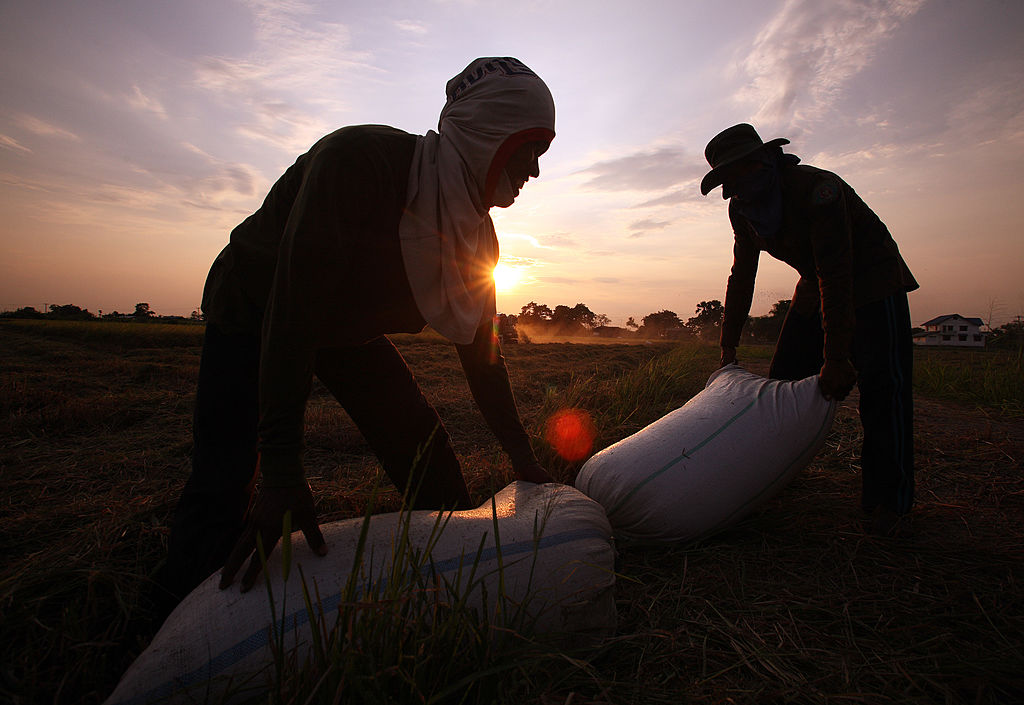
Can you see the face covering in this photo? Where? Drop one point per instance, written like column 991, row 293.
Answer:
column 449, row 246
column 758, row 198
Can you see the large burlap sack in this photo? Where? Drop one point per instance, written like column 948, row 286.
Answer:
column 556, row 563
column 712, row 461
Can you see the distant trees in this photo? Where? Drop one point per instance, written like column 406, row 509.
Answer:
column 707, row 324
column 24, row 312
column 577, row 320
column 534, row 315
column 766, row 329
column 663, row 324
column 704, row 325
column 70, row 312
column 541, row 319
column 143, row 312
column 1009, row 336
column 572, row 321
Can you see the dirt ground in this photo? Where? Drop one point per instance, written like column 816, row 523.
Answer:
column 795, row 604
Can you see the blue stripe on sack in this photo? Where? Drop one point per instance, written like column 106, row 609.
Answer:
column 685, row 454
column 260, row 639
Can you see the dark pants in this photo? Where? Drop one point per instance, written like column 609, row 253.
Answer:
column 373, row 384
column 883, row 356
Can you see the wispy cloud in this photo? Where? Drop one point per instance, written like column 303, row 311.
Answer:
column 801, row 60
column 640, row 228
column 558, row 280
column 13, row 144
column 45, row 129
column 296, row 73
column 514, row 261
column 551, row 242
column 651, row 170
column 672, row 198
column 141, row 101
column 411, row 27
column 989, row 110
column 220, row 184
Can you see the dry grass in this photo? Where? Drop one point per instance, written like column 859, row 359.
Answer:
column 795, row 604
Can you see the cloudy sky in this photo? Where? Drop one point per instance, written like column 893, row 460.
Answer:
column 134, row 135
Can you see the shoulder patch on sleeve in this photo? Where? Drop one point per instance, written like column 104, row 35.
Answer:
column 826, row 191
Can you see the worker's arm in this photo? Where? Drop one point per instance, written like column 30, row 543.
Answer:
column 739, row 292
column 488, row 380
column 832, row 245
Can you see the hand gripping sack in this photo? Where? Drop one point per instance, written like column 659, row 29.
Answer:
column 712, row 461
column 554, row 558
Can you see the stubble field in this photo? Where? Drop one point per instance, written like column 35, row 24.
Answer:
column 794, row 604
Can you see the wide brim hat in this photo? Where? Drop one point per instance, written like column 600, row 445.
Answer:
column 731, row 145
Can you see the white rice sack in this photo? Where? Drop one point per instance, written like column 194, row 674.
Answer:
column 712, row 461
column 556, row 556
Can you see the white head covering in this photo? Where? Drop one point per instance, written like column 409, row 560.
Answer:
column 448, row 242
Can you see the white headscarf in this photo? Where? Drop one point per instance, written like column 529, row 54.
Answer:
column 448, row 242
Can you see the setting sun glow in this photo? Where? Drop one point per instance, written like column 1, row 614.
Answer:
column 506, row 277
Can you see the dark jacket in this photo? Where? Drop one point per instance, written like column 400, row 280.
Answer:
column 844, row 254
column 319, row 266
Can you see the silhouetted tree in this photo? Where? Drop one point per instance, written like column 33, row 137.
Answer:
column 23, row 312
column 69, row 312
column 143, row 312
column 572, row 321
column 766, row 328
column 535, row 314
column 632, row 324
column 658, row 325
column 708, row 320
column 563, row 322
column 1009, row 336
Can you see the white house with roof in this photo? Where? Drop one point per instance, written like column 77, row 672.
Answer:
column 952, row 329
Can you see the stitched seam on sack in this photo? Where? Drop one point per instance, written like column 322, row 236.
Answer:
column 238, row 651
column 686, row 454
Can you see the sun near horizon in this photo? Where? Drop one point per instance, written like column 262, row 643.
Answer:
column 506, row 278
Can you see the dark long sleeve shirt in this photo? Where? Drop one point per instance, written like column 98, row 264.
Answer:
column 319, row 265
column 843, row 252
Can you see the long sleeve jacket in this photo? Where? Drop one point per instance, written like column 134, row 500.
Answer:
column 318, row 266
column 843, row 252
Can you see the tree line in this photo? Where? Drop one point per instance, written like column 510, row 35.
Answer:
column 70, row 312
column 533, row 319
column 705, row 325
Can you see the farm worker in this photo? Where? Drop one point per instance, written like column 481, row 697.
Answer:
column 372, row 231
column 849, row 319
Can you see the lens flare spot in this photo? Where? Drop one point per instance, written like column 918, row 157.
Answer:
column 571, row 433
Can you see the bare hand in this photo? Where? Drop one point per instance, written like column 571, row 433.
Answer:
column 836, row 379
column 728, row 356
column 266, row 518
column 532, row 472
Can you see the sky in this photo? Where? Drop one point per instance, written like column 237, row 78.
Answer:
column 134, row 135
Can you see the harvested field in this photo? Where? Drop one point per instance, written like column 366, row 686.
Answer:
column 795, row 604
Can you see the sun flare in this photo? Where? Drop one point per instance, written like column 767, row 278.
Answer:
column 506, row 278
